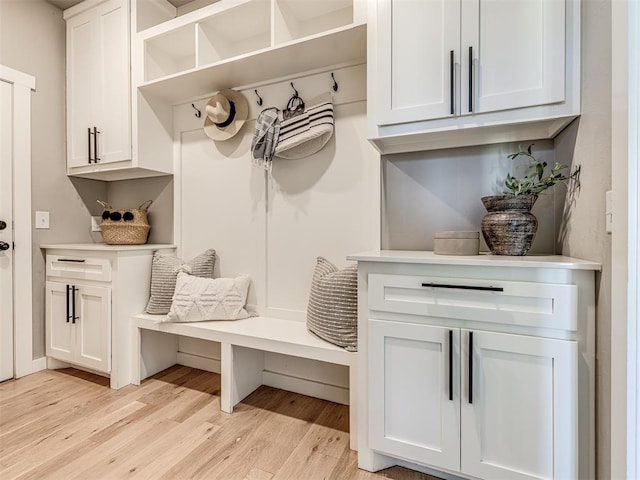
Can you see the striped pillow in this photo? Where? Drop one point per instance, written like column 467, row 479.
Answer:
column 332, row 313
column 164, row 271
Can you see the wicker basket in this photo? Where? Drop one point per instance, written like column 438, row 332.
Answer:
column 125, row 227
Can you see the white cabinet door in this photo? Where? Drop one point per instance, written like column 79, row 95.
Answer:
column 417, row 42
column 98, row 85
column 93, row 327
column 414, row 401
column 519, row 414
column 113, row 92
column 59, row 327
column 82, row 81
column 518, row 54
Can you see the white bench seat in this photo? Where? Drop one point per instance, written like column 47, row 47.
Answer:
column 243, row 343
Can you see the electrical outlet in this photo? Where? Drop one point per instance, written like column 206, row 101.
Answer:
column 42, row 220
column 95, row 223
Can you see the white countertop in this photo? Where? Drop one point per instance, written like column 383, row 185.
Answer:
column 484, row 259
column 103, row 247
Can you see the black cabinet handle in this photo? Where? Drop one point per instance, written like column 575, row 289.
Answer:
column 464, row 287
column 470, row 79
column 73, row 304
column 68, row 292
column 450, row 364
column 89, row 144
column 75, row 260
column 470, row 367
column 95, row 144
column 451, row 82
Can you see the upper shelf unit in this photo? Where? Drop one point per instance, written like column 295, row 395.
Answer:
column 242, row 42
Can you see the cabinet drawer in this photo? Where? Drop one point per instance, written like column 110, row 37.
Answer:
column 80, row 267
column 543, row 305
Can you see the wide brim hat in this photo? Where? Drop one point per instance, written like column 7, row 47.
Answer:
column 226, row 113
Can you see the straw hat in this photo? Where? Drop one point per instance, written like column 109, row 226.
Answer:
column 226, row 111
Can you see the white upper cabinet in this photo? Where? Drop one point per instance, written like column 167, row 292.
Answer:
column 449, row 73
column 99, row 117
column 98, row 85
column 419, row 52
column 512, row 54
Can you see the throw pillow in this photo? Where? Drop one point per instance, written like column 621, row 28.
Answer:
column 332, row 313
column 199, row 299
column 164, row 271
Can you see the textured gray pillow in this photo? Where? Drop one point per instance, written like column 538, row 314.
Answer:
column 332, row 313
column 164, row 271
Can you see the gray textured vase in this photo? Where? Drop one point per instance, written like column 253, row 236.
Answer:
column 509, row 227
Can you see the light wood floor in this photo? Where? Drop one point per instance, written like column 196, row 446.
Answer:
column 67, row 424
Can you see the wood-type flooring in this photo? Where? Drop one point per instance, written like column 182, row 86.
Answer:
column 67, row 424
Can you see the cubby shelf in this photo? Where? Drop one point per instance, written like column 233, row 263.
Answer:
column 340, row 46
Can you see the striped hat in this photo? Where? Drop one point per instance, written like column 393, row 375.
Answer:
column 307, row 133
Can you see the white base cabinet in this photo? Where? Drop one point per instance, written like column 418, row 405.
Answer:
column 479, row 367
column 92, row 291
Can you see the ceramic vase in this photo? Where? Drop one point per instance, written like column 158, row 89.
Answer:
column 509, row 227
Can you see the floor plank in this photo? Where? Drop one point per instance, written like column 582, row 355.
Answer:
column 67, row 424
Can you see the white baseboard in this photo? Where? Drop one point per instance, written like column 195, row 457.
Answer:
column 304, row 386
column 39, row 364
column 199, row 362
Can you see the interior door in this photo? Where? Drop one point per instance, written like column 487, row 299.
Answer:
column 6, row 231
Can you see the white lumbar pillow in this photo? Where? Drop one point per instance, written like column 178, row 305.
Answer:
column 199, row 299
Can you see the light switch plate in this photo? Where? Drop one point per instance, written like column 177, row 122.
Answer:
column 42, row 220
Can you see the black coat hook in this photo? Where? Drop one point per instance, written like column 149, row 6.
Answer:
column 335, row 84
column 259, row 101
column 198, row 113
column 295, row 91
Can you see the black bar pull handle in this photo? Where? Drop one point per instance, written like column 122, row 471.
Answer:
column 89, row 144
column 451, row 82
column 95, row 144
column 470, row 367
column 74, row 260
column 464, row 287
column 470, row 79
column 73, row 303
column 450, row 364
column 68, row 292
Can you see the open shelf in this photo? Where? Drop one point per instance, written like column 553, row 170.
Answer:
column 295, row 19
column 340, row 46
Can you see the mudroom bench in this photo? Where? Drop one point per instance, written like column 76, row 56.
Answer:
column 243, row 344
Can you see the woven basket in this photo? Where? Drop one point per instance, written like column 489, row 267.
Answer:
column 125, row 227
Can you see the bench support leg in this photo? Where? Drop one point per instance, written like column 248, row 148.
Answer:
column 353, row 406
column 241, row 374
column 152, row 352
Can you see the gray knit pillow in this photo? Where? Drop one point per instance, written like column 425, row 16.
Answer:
column 332, row 313
column 164, row 271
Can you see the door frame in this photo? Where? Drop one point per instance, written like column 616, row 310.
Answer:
column 23, row 84
column 625, row 252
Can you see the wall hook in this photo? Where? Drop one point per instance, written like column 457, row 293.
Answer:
column 198, row 113
column 259, row 101
column 296, row 91
column 335, row 84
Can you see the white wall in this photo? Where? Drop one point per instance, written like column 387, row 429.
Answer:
column 32, row 39
column 426, row 192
